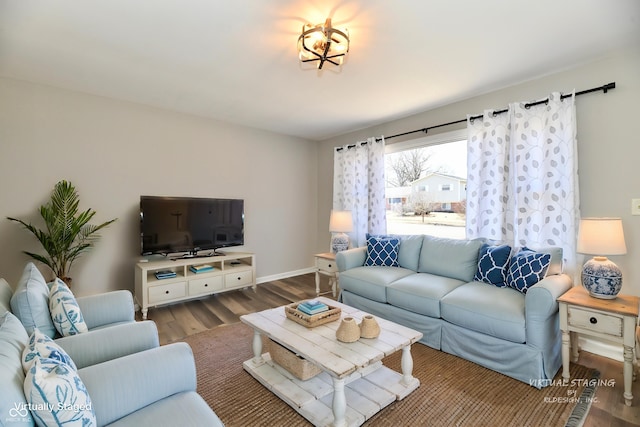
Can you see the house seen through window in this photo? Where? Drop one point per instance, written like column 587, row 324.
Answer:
column 426, row 185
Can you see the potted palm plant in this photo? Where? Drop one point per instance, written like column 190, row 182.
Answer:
column 67, row 233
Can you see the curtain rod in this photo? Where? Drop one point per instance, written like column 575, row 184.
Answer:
column 603, row 88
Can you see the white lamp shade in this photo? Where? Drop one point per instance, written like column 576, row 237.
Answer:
column 601, row 236
column 341, row 222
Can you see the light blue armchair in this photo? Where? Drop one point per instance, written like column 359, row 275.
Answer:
column 131, row 380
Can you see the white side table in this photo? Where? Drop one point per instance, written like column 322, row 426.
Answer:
column 614, row 320
column 326, row 265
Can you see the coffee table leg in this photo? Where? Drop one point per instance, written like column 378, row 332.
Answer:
column 339, row 403
column 257, row 346
column 406, row 363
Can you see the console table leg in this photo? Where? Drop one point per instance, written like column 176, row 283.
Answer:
column 406, row 363
column 257, row 347
column 144, row 312
column 339, row 403
column 317, row 283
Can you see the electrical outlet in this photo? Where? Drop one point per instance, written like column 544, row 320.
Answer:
column 635, row 206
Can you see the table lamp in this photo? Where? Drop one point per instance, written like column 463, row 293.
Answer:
column 341, row 222
column 601, row 237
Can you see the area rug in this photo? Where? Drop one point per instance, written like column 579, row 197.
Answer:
column 453, row 391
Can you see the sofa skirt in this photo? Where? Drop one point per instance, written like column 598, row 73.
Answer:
column 523, row 362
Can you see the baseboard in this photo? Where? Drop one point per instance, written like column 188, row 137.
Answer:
column 601, row 348
column 285, row 275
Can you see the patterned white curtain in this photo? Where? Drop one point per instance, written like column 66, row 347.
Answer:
column 358, row 186
column 522, row 184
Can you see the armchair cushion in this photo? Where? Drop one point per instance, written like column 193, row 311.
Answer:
column 13, row 404
column 56, row 395
column 65, row 312
column 41, row 346
column 122, row 386
column 107, row 309
column 101, row 345
column 30, row 302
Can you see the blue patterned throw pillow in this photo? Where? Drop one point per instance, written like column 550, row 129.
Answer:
column 527, row 268
column 41, row 346
column 493, row 263
column 64, row 309
column 382, row 250
column 57, row 396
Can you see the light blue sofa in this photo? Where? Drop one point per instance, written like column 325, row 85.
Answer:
column 433, row 291
column 131, row 380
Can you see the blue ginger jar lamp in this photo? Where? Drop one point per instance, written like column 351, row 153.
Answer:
column 340, row 223
column 601, row 237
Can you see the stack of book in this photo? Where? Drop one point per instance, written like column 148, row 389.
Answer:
column 312, row 307
column 165, row 274
column 201, row 268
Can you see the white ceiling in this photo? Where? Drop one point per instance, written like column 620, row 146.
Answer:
column 236, row 60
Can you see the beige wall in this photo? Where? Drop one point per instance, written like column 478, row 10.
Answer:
column 116, row 151
column 608, row 143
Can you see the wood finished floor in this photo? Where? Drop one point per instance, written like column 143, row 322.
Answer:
column 181, row 320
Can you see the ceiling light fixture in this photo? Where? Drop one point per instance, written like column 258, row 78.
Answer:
column 323, row 43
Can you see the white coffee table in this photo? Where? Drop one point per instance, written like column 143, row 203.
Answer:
column 354, row 384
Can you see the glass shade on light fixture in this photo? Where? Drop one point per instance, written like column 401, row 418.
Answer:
column 601, row 237
column 322, row 43
column 340, row 223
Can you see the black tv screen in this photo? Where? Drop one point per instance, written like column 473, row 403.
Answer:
column 188, row 224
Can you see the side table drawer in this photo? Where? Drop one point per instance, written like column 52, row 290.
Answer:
column 327, row 265
column 167, row 292
column 599, row 322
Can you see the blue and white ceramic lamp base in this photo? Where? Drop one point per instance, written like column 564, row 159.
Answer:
column 602, row 278
column 339, row 242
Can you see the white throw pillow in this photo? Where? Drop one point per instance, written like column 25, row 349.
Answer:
column 41, row 346
column 57, row 396
column 65, row 312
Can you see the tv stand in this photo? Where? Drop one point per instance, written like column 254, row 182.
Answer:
column 230, row 270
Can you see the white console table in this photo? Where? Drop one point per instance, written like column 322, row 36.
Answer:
column 231, row 270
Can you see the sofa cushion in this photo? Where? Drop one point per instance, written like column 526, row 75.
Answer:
column 421, row 292
column 57, row 395
column 409, row 251
column 493, row 264
column 65, row 312
column 488, row 309
column 30, row 302
column 371, row 282
column 382, row 250
column 41, row 346
column 13, row 339
column 526, row 269
column 457, row 259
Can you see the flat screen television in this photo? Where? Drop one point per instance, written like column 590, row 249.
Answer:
column 171, row 225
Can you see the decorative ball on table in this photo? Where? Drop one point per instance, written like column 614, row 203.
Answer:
column 601, row 237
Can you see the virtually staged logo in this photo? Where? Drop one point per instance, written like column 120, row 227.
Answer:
column 19, row 413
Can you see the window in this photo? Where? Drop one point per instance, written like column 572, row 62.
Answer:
column 426, row 185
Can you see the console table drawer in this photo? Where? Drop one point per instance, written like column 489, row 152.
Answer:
column 206, row 285
column 167, row 292
column 595, row 321
column 239, row 278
